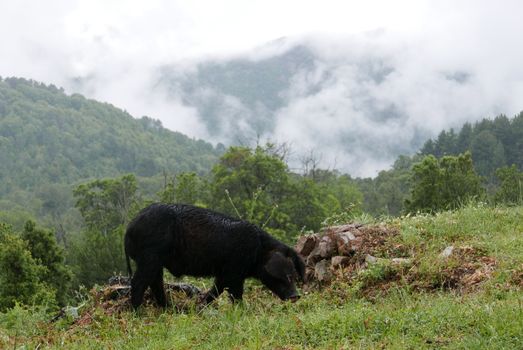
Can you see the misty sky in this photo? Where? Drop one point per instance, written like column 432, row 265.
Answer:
column 449, row 62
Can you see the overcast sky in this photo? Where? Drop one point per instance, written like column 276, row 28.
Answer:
column 120, row 44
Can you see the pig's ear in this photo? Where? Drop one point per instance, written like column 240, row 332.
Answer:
column 276, row 264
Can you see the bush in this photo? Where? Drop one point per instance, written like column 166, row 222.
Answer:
column 21, row 275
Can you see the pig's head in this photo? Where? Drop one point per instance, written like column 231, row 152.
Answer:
column 280, row 271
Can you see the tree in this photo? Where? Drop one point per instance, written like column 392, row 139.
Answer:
column 386, row 193
column 464, row 138
column 488, row 153
column 250, row 184
column 443, row 184
column 45, row 251
column 108, row 203
column 106, row 206
column 510, row 190
column 95, row 257
column 186, row 188
column 20, row 273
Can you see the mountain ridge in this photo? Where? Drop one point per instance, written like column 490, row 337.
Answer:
column 48, row 136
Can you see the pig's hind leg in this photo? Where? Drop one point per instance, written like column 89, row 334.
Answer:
column 149, row 272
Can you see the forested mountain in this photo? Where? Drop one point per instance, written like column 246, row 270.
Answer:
column 494, row 143
column 299, row 93
column 240, row 94
column 49, row 137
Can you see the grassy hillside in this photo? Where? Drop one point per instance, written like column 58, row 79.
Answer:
column 381, row 306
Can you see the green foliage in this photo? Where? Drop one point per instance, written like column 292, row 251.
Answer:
column 487, row 152
column 48, row 138
column 108, row 203
column 106, row 206
column 95, row 257
column 20, row 274
column 45, row 251
column 493, row 144
column 186, row 188
column 443, row 184
column 510, row 190
column 251, row 184
column 386, row 194
column 21, row 322
column 257, row 185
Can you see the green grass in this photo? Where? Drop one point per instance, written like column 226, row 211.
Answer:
column 490, row 317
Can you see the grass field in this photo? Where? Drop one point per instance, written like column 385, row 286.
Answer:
column 414, row 307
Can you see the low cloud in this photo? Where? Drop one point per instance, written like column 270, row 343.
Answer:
column 375, row 83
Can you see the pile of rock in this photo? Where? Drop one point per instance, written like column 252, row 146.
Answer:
column 350, row 246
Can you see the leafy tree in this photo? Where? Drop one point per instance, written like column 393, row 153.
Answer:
column 250, row 184
column 464, row 138
column 95, row 257
column 107, row 206
column 45, row 251
column 487, row 152
column 307, row 205
column 186, row 188
column 256, row 185
column 20, row 273
column 443, row 184
column 510, row 190
column 386, row 194
column 108, row 203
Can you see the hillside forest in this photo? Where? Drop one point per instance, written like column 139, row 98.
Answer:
column 75, row 171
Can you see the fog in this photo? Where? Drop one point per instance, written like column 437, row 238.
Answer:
column 385, row 75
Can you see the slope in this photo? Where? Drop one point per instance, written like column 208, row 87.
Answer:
column 49, row 137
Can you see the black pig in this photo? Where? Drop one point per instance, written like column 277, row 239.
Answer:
column 193, row 241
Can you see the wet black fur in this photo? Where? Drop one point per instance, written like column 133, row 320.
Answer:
column 193, row 241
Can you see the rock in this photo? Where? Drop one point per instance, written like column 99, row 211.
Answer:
column 342, row 228
column 327, row 247
column 371, row 259
column 401, row 261
column 322, row 271
column 447, row 252
column 356, row 243
column 314, row 256
column 343, row 242
column 340, row 261
column 306, row 244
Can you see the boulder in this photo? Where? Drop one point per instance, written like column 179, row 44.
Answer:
column 306, row 244
column 313, row 257
column 340, row 261
column 356, row 244
column 343, row 242
column 327, row 247
column 322, row 272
